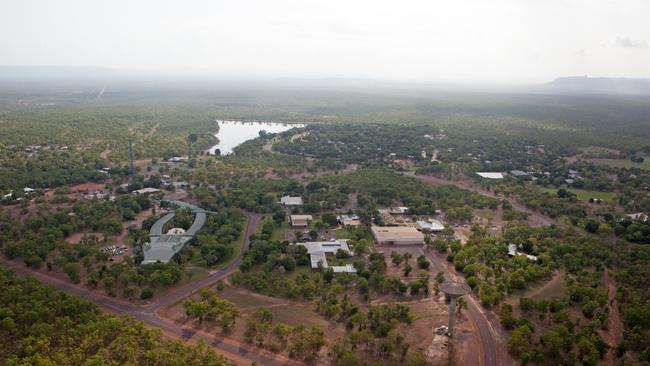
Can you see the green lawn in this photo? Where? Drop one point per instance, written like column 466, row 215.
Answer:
column 623, row 163
column 343, row 233
column 279, row 232
column 191, row 275
column 585, row 194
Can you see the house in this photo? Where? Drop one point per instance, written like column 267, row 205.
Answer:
column 490, row 175
column 177, row 159
column 400, row 210
column 348, row 220
column 512, row 251
column 397, row 235
column 147, row 190
column 639, row 216
column 518, row 173
column 319, row 250
column 431, row 225
column 291, row 201
column 300, row 221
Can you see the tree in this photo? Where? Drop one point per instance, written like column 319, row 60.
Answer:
column 407, row 269
column 520, row 340
column 423, row 262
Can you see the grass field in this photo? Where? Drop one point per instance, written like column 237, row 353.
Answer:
column 279, row 232
column 585, row 194
column 192, row 274
column 623, row 163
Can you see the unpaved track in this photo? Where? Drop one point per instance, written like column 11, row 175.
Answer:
column 534, row 217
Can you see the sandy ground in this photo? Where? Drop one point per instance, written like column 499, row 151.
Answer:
column 614, row 333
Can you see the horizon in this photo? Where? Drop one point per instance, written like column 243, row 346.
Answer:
column 504, row 42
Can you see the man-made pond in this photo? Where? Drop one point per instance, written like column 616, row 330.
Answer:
column 233, row 133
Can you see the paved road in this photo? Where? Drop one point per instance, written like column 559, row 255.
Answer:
column 149, row 313
column 486, row 332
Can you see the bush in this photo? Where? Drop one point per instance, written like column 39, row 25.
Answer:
column 146, row 293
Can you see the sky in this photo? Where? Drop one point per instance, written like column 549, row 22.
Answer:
column 495, row 41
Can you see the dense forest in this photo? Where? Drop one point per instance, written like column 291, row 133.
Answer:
column 40, row 325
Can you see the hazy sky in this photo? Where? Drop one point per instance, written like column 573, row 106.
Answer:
column 460, row 40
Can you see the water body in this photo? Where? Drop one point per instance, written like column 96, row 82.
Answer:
column 233, row 133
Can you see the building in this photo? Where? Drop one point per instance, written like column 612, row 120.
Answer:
column 147, row 190
column 519, row 173
column 162, row 247
column 348, row 220
column 400, row 210
column 490, row 175
column 397, row 235
column 178, row 159
column 431, row 225
column 639, row 216
column 291, row 201
column 300, row 221
column 512, row 251
column 318, row 251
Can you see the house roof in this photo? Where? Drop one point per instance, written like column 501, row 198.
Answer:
column 490, row 175
column 318, row 250
column 291, row 201
column 432, row 225
column 394, row 233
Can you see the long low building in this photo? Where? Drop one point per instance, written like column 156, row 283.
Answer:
column 162, row 247
column 318, row 251
column 397, row 235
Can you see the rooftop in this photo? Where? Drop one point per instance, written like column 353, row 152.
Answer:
column 291, row 201
column 431, row 225
column 490, row 175
column 318, row 251
column 391, row 233
column 162, row 247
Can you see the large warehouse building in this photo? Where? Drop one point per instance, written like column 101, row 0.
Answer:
column 397, row 235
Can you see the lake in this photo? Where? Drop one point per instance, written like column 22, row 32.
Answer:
column 233, row 133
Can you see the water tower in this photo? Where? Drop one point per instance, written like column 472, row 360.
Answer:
column 454, row 290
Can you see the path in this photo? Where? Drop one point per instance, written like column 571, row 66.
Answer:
column 614, row 334
column 535, row 218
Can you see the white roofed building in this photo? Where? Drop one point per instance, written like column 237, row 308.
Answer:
column 318, row 251
column 431, row 225
column 291, row 201
column 490, row 175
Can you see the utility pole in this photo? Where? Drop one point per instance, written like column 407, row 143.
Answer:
column 132, row 167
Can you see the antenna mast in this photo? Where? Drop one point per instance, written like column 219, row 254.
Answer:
column 132, row 167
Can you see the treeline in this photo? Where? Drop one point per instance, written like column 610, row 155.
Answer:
column 47, row 169
column 43, row 326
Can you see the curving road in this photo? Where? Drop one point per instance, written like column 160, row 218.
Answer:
column 149, row 313
column 486, row 332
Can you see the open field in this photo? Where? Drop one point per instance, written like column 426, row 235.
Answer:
column 623, row 163
column 585, row 194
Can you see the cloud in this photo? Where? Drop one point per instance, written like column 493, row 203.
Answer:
column 627, row 42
